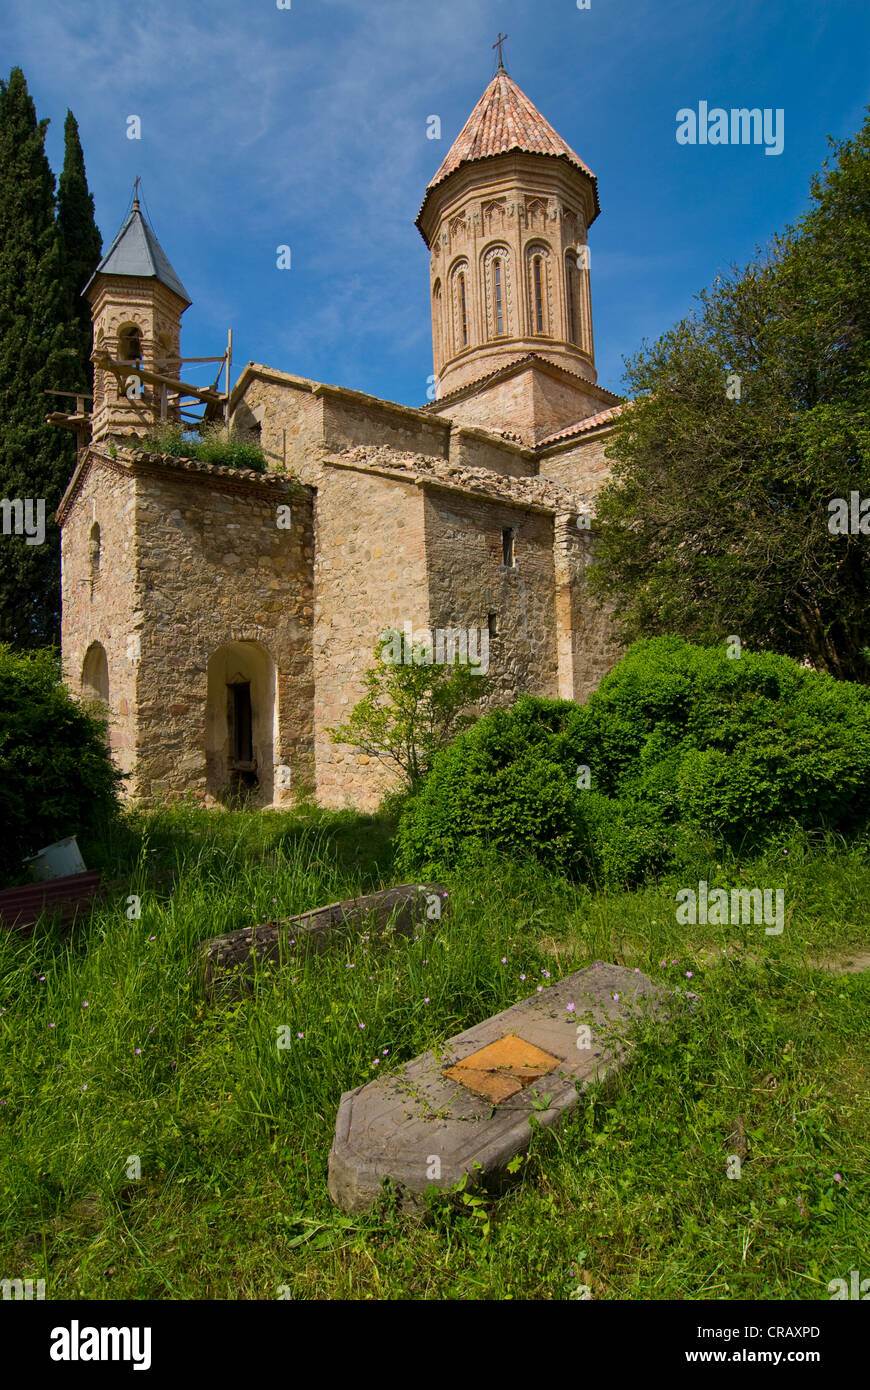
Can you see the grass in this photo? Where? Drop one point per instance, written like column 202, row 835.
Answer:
column 215, row 445
column 108, row 1053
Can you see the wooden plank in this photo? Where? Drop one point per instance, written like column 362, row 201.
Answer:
column 21, row 907
column 125, row 370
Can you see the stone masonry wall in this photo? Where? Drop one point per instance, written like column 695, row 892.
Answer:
column 469, row 449
column 531, row 404
column 505, row 405
column 105, row 611
column 215, row 569
column 559, row 404
column 583, row 468
column 468, row 583
column 587, row 643
column 370, row 574
column 350, row 419
column 290, row 417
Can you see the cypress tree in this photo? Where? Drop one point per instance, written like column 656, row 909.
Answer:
column 37, row 348
column 82, row 246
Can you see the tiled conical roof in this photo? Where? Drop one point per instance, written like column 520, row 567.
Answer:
column 136, row 251
column 503, row 120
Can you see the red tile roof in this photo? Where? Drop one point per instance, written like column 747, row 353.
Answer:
column 604, row 417
column 504, row 119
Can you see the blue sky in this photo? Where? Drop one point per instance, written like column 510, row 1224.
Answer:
column 307, row 127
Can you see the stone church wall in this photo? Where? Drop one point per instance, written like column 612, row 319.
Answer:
column 587, row 644
column 582, row 468
column 471, row 588
column 105, row 611
column 216, row 570
column 506, row 405
column 370, row 574
column 559, row 404
column 351, row 419
column 290, row 419
column 469, row 449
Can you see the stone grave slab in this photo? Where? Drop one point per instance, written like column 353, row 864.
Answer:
column 467, row 1111
column 230, row 960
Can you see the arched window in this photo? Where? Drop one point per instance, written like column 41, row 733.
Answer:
column 538, row 294
column 539, row 282
column 460, row 307
column 95, row 547
column 130, row 343
column 496, row 271
column 498, row 295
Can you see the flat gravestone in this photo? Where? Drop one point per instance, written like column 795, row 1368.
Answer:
column 467, row 1110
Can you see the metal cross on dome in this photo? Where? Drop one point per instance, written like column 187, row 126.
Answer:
column 498, row 44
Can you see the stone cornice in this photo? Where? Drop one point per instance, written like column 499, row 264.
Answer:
column 424, row 480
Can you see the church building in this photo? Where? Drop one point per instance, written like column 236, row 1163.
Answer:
column 227, row 618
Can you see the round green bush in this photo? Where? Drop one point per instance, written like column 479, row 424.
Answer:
column 679, row 740
column 56, row 775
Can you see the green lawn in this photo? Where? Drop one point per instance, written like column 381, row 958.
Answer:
column 107, row 1050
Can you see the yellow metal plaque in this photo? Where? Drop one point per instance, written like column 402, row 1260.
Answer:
column 503, row 1068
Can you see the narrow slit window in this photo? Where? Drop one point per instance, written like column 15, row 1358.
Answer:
column 539, row 294
column 571, row 289
column 463, row 311
column 492, row 624
column 508, row 547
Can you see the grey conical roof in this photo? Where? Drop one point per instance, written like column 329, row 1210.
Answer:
column 136, row 251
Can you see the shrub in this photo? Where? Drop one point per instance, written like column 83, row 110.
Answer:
column 56, row 775
column 681, row 743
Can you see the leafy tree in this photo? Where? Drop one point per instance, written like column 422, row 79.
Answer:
column 411, row 708
column 36, row 350
column 82, row 246
column 749, row 418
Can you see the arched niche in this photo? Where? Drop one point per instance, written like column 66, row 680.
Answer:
column 95, row 676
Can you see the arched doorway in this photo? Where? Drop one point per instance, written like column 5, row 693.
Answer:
column 241, row 711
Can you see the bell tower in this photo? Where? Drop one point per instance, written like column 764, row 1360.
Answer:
column 137, row 301
column 505, row 219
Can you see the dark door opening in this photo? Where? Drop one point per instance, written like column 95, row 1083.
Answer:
column 243, row 769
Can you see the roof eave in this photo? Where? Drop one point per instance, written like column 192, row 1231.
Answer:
column 498, row 154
